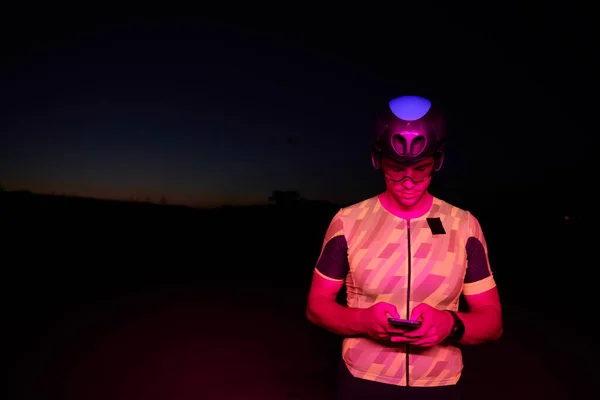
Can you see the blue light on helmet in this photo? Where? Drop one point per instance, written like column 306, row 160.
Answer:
column 409, row 108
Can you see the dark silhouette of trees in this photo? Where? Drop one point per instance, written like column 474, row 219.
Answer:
column 284, row 197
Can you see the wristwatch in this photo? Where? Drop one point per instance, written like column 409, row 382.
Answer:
column 458, row 329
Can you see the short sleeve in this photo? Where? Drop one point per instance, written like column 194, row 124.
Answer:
column 333, row 263
column 479, row 277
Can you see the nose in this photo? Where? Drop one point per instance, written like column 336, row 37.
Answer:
column 408, row 183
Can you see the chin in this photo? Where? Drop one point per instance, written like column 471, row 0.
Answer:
column 409, row 201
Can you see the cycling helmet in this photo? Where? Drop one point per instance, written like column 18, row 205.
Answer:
column 408, row 130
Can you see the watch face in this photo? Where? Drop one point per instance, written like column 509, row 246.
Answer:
column 453, row 332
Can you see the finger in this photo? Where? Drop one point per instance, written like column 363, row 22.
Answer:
column 401, row 339
column 423, row 331
column 396, row 331
column 415, row 334
column 425, row 342
column 386, row 338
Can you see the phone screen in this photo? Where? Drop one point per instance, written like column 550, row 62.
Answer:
column 404, row 323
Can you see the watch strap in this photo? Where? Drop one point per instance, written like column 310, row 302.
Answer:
column 458, row 328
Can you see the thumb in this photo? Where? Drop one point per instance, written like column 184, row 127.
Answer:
column 417, row 312
column 391, row 310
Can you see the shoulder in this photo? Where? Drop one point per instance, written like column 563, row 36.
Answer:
column 359, row 209
column 369, row 203
column 444, row 208
column 461, row 216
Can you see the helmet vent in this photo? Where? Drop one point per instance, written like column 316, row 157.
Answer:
column 417, row 145
column 399, row 144
column 408, row 144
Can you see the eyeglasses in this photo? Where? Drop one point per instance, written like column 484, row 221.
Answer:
column 416, row 174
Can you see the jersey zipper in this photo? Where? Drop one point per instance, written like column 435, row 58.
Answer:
column 409, row 276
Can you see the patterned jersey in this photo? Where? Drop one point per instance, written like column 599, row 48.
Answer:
column 430, row 259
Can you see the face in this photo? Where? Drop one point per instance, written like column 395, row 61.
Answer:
column 407, row 184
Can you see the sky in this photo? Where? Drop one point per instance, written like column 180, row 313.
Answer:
column 208, row 111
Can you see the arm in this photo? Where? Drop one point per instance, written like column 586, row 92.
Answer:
column 483, row 320
column 323, row 310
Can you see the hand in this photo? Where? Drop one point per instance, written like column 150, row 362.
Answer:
column 435, row 328
column 374, row 322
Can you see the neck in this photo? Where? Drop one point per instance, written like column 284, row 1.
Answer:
column 406, row 212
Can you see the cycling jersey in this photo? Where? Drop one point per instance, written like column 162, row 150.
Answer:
column 384, row 258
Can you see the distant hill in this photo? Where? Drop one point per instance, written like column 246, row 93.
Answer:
column 27, row 206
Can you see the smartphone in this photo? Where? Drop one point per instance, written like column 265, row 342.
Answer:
column 404, row 323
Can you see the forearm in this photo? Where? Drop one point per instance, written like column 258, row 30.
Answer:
column 334, row 317
column 482, row 325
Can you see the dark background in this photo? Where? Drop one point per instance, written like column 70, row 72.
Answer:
column 223, row 109
column 203, row 296
column 124, row 300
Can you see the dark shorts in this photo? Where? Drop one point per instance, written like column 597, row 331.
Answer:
column 351, row 388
